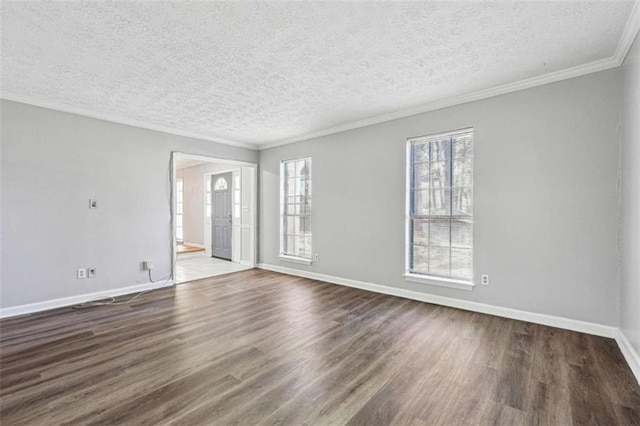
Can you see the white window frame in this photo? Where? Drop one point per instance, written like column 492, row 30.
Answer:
column 285, row 256
column 426, row 278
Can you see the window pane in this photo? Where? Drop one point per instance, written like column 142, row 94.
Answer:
column 291, row 246
column 293, row 225
column 291, row 187
column 421, row 232
column 420, row 260
column 439, row 175
column 440, row 150
column 420, row 152
column 461, row 263
column 300, row 167
column 461, row 233
column 462, row 201
column 305, row 225
column 440, row 199
column 439, row 261
column 421, row 202
column 421, row 175
column 289, row 169
column 439, row 232
column 302, row 246
column 462, row 163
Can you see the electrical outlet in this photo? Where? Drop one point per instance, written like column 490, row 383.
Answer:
column 81, row 273
column 91, row 272
column 93, row 204
column 484, row 280
column 147, row 265
column 316, row 257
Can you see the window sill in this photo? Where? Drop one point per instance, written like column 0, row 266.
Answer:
column 293, row 259
column 440, row 282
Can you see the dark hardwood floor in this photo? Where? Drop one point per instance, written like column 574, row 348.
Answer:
column 257, row 347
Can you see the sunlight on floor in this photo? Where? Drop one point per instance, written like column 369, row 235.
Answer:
column 195, row 268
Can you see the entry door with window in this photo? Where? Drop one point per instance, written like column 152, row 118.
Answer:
column 221, row 216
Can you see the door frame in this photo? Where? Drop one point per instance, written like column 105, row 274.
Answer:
column 206, row 237
column 175, row 155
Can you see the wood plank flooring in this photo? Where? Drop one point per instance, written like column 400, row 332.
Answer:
column 257, row 347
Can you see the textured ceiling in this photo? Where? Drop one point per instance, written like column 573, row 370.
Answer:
column 259, row 72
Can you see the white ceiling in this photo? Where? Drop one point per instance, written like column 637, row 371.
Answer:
column 262, row 72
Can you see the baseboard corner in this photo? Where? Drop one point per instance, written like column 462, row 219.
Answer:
column 629, row 353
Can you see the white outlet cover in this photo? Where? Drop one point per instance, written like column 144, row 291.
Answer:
column 81, row 273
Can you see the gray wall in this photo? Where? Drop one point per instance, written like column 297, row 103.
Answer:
column 546, row 170
column 630, row 207
column 52, row 163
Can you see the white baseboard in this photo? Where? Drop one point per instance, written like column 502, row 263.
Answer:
column 550, row 320
column 74, row 300
column 632, row 357
column 185, row 243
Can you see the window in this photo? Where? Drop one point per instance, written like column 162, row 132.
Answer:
column 236, row 195
column 295, row 209
column 179, row 209
column 440, row 207
column 221, row 184
column 208, row 196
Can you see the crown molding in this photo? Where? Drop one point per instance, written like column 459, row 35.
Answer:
column 629, row 34
column 529, row 83
column 120, row 120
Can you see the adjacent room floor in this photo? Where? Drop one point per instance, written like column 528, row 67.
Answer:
column 199, row 267
column 257, row 347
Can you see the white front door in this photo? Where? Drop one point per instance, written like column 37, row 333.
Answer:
column 221, row 215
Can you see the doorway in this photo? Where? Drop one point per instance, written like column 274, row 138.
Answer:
column 214, row 216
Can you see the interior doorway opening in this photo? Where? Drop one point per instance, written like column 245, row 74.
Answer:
column 214, row 216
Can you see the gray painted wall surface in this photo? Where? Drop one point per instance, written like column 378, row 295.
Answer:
column 52, row 164
column 630, row 208
column 546, row 170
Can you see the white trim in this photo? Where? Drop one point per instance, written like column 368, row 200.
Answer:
column 630, row 355
column 185, row 243
column 550, row 320
column 294, row 259
column 629, row 34
column 74, row 300
column 440, row 282
column 121, row 120
column 208, row 159
column 624, row 44
column 580, row 70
